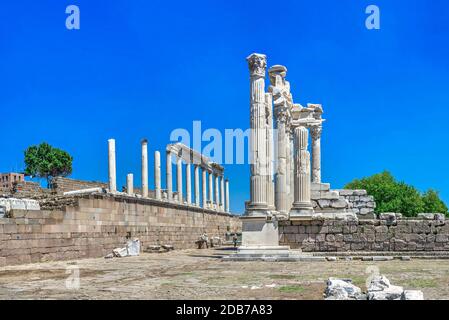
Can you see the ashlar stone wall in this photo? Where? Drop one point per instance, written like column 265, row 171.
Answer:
column 93, row 225
column 386, row 234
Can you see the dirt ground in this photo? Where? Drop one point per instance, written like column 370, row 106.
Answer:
column 201, row 274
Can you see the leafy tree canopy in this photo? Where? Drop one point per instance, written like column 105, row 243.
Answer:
column 44, row 161
column 394, row 196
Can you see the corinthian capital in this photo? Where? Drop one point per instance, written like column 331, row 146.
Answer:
column 257, row 64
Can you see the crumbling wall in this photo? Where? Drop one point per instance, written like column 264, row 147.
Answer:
column 92, row 225
column 424, row 234
column 62, row 184
column 325, row 200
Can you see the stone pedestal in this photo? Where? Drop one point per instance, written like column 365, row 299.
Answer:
column 260, row 239
column 259, row 231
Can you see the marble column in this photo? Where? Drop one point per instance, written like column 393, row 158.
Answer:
column 288, row 175
column 292, row 169
column 112, row 166
column 269, row 150
column 316, row 153
column 196, row 184
column 157, row 174
column 281, row 170
column 188, row 183
column 145, row 168
column 302, row 204
column 130, row 184
column 179, row 179
column 227, row 209
column 204, row 187
column 222, row 194
column 217, row 199
column 258, row 185
column 211, row 190
column 169, row 179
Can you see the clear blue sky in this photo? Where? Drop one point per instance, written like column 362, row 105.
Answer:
column 143, row 68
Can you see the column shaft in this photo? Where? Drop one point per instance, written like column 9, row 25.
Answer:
column 222, row 193
column 130, row 184
column 157, row 174
column 316, row 154
column 281, row 179
column 269, row 150
column 188, row 184
column 204, row 187
column 211, row 190
column 258, row 135
column 144, row 168
column 302, row 203
column 227, row 208
column 217, row 200
column 197, row 185
column 179, row 179
column 112, row 166
column 169, row 179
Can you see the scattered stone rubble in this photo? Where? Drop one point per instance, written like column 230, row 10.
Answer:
column 132, row 248
column 379, row 288
column 159, row 248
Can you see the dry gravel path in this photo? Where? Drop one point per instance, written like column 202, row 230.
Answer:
column 200, row 274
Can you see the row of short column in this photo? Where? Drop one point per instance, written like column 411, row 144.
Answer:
column 217, row 198
column 214, row 187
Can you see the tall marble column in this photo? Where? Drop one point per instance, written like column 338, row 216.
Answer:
column 302, row 204
column 145, row 168
column 269, row 150
column 316, row 153
column 222, row 193
column 211, row 190
column 179, row 179
column 204, row 187
column 217, row 199
column 157, row 174
column 169, row 179
column 112, row 166
column 258, row 203
column 227, row 209
column 281, row 171
column 197, row 184
column 292, row 169
column 130, row 184
column 188, row 184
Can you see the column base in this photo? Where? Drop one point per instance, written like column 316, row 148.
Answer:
column 260, row 230
column 303, row 212
column 260, row 240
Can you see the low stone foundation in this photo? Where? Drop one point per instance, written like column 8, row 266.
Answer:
column 92, row 225
column 365, row 235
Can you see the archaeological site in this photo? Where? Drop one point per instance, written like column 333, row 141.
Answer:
column 292, row 218
column 224, row 159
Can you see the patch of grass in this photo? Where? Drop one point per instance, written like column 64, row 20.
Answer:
column 291, row 289
column 422, row 283
column 282, row 276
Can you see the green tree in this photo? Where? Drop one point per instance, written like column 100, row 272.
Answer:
column 44, row 161
column 393, row 196
column 433, row 203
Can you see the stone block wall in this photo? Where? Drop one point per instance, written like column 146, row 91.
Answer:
column 325, row 200
column 366, row 235
column 61, row 184
column 360, row 203
column 95, row 224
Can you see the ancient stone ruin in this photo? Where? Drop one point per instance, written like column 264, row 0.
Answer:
column 290, row 207
column 291, row 212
